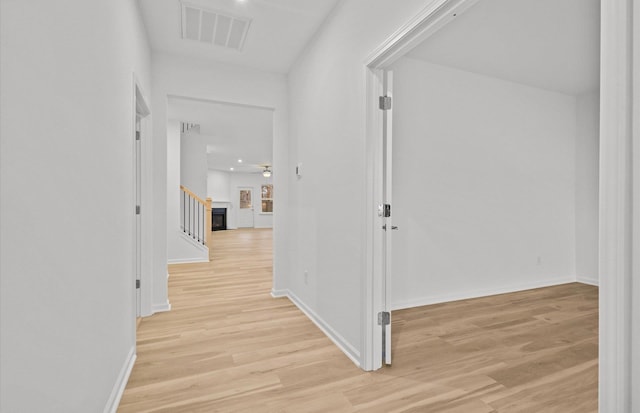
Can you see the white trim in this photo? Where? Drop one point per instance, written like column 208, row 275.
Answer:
column 349, row 350
column 588, row 280
column 635, row 242
column 224, row 102
column 161, row 308
column 279, row 293
column 121, row 382
column 431, row 19
column 372, row 300
column 187, row 260
column 465, row 295
column 203, row 249
column 373, row 197
column 615, row 392
column 196, row 244
column 141, row 107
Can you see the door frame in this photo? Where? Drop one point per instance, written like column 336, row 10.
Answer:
column 619, row 223
column 140, row 110
column 423, row 25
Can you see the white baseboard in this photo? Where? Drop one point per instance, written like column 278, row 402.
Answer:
column 187, row 260
column 465, row 295
column 588, row 280
column 279, row 293
column 189, row 251
column 160, row 308
column 121, row 383
column 338, row 340
column 193, row 242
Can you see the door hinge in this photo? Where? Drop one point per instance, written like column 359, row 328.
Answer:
column 137, row 209
column 137, row 284
column 385, row 102
column 387, row 210
column 137, row 135
column 384, row 318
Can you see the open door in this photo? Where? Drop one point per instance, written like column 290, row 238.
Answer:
column 384, row 319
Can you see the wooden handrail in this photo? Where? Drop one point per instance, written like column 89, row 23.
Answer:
column 194, row 196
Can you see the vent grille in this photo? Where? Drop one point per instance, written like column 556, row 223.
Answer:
column 188, row 126
column 214, row 27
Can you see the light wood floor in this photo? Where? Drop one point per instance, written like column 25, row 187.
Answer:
column 228, row 346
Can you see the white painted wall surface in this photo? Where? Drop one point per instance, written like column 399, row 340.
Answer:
column 181, row 76
column 218, row 186
column 587, row 180
column 483, row 185
column 181, row 249
column 193, row 163
column 327, row 130
column 66, row 202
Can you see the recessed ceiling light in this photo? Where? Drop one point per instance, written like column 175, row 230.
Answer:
column 231, row 169
column 239, row 160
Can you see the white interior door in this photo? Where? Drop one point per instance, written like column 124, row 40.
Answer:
column 388, row 226
column 245, row 207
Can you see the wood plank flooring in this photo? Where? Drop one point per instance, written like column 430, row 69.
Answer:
column 228, row 346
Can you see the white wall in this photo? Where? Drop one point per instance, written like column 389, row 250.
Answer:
column 181, row 248
column 327, row 135
column 483, row 185
column 66, row 201
column 587, row 180
column 180, row 76
column 218, row 186
column 193, row 163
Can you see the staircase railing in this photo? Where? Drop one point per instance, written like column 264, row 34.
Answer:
column 195, row 216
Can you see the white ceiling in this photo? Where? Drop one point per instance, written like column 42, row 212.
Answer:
column 231, row 132
column 549, row 44
column 278, row 32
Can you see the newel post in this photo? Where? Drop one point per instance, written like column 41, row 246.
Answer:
column 208, row 223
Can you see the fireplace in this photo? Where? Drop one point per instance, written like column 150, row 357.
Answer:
column 218, row 219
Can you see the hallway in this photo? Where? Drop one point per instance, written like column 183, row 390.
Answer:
column 228, row 346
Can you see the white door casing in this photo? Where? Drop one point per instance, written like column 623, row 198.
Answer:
column 387, row 227
column 140, row 114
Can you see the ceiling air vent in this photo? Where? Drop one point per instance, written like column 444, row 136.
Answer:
column 189, row 126
column 214, row 27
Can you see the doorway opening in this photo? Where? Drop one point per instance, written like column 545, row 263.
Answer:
column 225, row 149
column 485, row 164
